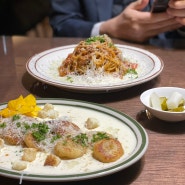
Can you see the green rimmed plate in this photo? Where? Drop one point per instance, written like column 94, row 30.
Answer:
column 129, row 132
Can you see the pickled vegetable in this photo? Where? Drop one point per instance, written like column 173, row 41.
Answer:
column 174, row 100
column 163, row 103
column 175, row 103
column 155, row 101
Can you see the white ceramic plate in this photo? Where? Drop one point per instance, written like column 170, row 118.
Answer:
column 44, row 67
column 128, row 131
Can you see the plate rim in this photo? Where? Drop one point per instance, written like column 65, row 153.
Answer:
column 139, row 151
column 104, row 88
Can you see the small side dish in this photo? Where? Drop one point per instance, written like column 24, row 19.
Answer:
column 165, row 103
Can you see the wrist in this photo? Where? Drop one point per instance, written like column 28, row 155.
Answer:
column 106, row 28
column 112, row 27
column 96, row 29
column 103, row 29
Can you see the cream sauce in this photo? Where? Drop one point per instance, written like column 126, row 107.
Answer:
column 86, row 163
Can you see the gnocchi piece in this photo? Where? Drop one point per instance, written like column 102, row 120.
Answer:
column 12, row 138
column 48, row 106
column 68, row 149
column 29, row 154
column 91, row 123
column 19, row 165
column 66, row 128
column 107, row 150
column 42, row 114
column 48, row 112
column 52, row 160
column 30, row 141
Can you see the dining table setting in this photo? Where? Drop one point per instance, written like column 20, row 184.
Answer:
column 156, row 147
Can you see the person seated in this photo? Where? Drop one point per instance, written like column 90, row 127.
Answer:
column 123, row 19
column 20, row 16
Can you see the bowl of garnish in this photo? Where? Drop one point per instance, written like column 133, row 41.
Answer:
column 165, row 103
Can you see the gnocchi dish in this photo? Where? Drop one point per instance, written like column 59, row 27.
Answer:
column 53, row 138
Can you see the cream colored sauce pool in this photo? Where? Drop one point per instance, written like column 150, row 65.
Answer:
column 86, row 163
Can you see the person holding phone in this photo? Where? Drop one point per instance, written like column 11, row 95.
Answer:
column 123, row 19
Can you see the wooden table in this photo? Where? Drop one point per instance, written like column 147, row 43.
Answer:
column 164, row 161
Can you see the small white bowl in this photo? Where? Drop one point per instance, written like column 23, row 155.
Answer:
column 166, row 92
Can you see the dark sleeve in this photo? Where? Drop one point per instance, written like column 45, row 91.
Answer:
column 68, row 18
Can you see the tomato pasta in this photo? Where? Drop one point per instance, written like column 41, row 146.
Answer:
column 98, row 55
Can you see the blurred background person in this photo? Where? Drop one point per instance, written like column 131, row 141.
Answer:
column 21, row 17
column 123, row 19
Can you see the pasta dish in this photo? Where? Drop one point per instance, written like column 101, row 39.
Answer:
column 96, row 55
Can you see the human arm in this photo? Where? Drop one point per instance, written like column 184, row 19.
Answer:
column 68, row 19
column 134, row 25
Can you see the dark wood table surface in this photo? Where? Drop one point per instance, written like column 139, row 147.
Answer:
column 164, row 160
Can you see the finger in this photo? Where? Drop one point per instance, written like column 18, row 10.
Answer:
column 157, row 31
column 172, row 23
column 150, row 18
column 176, row 13
column 139, row 4
column 159, row 17
column 177, row 4
column 181, row 20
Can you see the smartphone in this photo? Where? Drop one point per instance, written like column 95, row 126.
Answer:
column 159, row 6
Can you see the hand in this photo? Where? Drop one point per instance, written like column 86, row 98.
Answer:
column 137, row 26
column 177, row 9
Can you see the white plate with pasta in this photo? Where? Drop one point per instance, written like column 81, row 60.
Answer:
column 126, row 130
column 45, row 67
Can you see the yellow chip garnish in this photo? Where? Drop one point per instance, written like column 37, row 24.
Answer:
column 26, row 106
column 16, row 104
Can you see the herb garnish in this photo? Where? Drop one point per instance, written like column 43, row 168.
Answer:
column 81, row 139
column 18, row 124
column 3, row 125
column 69, row 78
column 16, row 117
column 26, row 126
column 40, row 133
column 94, row 39
column 132, row 72
column 99, row 136
column 55, row 137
